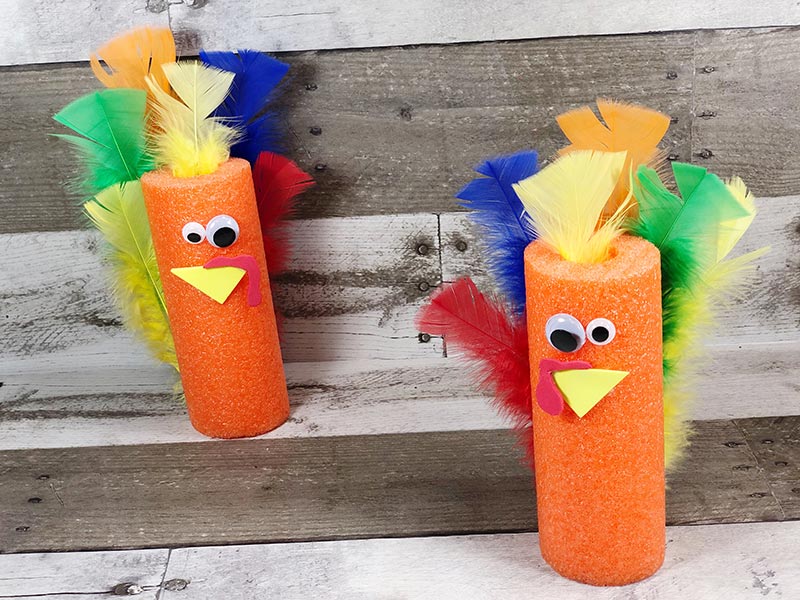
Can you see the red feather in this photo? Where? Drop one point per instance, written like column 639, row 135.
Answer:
column 493, row 339
column 278, row 181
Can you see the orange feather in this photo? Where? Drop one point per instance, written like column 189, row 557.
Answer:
column 628, row 127
column 133, row 56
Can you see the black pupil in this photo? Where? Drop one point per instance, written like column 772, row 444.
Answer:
column 563, row 340
column 599, row 334
column 224, row 237
column 193, row 237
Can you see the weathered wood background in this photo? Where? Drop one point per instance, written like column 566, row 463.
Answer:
column 390, row 440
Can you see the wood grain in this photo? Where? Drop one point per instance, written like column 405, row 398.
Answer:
column 776, row 445
column 326, row 488
column 351, row 291
column 55, row 401
column 742, row 561
column 65, row 30
column 69, row 406
column 461, row 566
column 734, row 67
column 83, row 576
column 394, row 130
column 37, row 33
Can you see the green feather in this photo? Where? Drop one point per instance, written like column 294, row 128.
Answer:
column 686, row 232
column 112, row 125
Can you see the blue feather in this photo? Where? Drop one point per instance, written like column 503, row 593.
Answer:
column 255, row 77
column 499, row 213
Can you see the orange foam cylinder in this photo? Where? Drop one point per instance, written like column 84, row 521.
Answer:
column 600, row 479
column 228, row 354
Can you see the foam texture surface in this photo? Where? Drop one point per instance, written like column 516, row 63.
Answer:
column 600, row 478
column 228, row 354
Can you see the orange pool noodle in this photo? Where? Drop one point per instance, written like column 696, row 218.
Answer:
column 600, row 478
column 228, row 354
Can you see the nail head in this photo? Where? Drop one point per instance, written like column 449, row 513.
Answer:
column 127, row 589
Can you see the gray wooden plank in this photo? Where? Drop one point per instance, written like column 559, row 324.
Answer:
column 351, row 291
column 326, row 488
column 83, row 575
column 753, row 69
column 398, row 129
column 395, row 130
column 58, row 401
column 64, row 30
column 776, row 445
column 769, row 312
column 740, row 561
column 69, row 406
column 38, row 34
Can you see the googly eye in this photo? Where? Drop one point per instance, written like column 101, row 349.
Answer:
column 194, row 233
column 222, row 231
column 601, row 331
column 565, row 332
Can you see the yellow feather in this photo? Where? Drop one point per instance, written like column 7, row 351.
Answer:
column 730, row 232
column 132, row 57
column 190, row 141
column 566, row 200
column 118, row 212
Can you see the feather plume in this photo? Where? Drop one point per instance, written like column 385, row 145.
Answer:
column 695, row 284
column 506, row 227
column 278, row 181
column 491, row 338
column 256, row 76
column 731, row 231
column 118, row 213
column 566, row 201
column 112, row 124
column 628, row 128
column 133, row 57
column 190, row 141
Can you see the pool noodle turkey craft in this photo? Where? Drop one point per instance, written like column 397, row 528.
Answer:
column 192, row 202
column 608, row 281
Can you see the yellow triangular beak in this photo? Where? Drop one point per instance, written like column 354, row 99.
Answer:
column 584, row 388
column 216, row 283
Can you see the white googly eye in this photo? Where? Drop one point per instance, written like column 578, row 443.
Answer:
column 565, row 332
column 601, row 331
column 194, row 233
column 222, row 231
